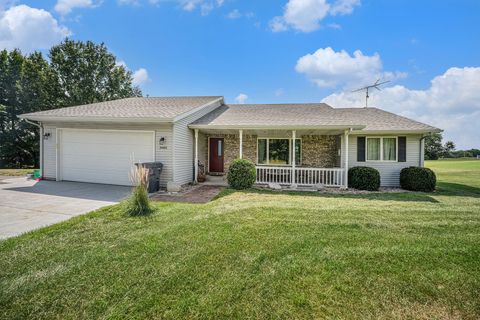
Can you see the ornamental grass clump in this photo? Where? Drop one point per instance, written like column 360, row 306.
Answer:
column 241, row 174
column 138, row 203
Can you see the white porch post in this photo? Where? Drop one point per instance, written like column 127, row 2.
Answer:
column 345, row 152
column 196, row 156
column 241, row 144
column 293, row 158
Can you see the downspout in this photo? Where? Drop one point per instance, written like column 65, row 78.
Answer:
column 40, row 127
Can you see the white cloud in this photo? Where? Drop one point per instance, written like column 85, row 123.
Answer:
column 279, row 92
column 140, row 76
column 451, row 103
column 234, row 14
column 64, row 7
column 29, row 29
column 134, row 2
column 328, row 68
column 241, row 98
column 343, row 7
column 335, row 26
column 306, row 15
column 206, row 6
column 277, row 24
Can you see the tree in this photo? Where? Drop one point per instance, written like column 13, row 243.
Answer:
column 448, row 148
column 433, row 146
column 86, row 73
column 78, row 73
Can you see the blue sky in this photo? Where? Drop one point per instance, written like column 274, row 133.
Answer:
column 281, row 51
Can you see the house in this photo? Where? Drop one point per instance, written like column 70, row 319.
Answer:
column 291, row 144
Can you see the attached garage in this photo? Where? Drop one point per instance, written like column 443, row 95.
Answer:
column 100, row 142
column 102, row 156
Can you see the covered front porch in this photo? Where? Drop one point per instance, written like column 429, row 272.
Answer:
column 288, row 157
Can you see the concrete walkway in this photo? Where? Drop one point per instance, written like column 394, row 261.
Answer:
column 26, row 205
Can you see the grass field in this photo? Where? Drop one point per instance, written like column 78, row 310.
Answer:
column 259, row 255
column 15, row 172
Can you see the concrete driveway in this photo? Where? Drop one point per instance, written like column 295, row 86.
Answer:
column 26, row 205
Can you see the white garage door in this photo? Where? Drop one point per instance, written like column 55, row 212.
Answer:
column 103, row 156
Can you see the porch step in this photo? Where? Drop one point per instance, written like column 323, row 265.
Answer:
column 216, row 180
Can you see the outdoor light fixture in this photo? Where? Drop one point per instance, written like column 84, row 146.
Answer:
column 46, row 135
column 162, row 140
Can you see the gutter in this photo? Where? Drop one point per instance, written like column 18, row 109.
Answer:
column 40, row 127
column 278, row 127
column 95, row 119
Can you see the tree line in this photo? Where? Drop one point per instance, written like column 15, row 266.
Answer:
column 73, row 73
column 435, row 149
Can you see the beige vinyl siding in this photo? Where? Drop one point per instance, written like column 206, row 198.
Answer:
column 183, row 145
column 49, row 153
column 163, row 153
column 389, row 171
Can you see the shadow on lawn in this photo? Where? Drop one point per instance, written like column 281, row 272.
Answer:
column 457, row 189
column 379, row 196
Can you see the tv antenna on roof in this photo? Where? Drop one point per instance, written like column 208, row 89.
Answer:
column 375, row 85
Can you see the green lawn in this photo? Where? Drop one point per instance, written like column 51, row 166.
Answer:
column 259, row 255
column 15, row 172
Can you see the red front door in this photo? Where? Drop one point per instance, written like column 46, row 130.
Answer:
column 216, row 155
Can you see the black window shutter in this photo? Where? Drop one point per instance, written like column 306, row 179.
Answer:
column 361, row 149
column 402, row 149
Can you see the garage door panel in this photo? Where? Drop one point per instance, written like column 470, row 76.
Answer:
column 106, row 137
column 99, row 153
column 103, row 156
column 105, row 162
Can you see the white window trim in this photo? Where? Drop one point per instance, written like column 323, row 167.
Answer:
column 289, row 153
column 381, row 148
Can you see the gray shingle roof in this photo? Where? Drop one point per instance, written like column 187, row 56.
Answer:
column 320, row 114
column 140, row 107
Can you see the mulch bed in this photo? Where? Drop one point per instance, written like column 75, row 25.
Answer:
column 195, row 194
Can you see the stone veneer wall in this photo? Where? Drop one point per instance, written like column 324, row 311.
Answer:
column 232, row 148
column 320, row 151
column 317, row 151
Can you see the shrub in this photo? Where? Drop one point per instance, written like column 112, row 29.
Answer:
column 241, row 174
column 364, row 178
column 418, row 179
column 138, row 203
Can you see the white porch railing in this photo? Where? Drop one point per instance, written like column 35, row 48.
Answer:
column 329, row 177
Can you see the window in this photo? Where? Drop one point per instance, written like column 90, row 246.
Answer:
column 381, row 149
column 373, row 148
column 277, row 151
column 219, row 148
column 262, row 151
column 389, row 149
